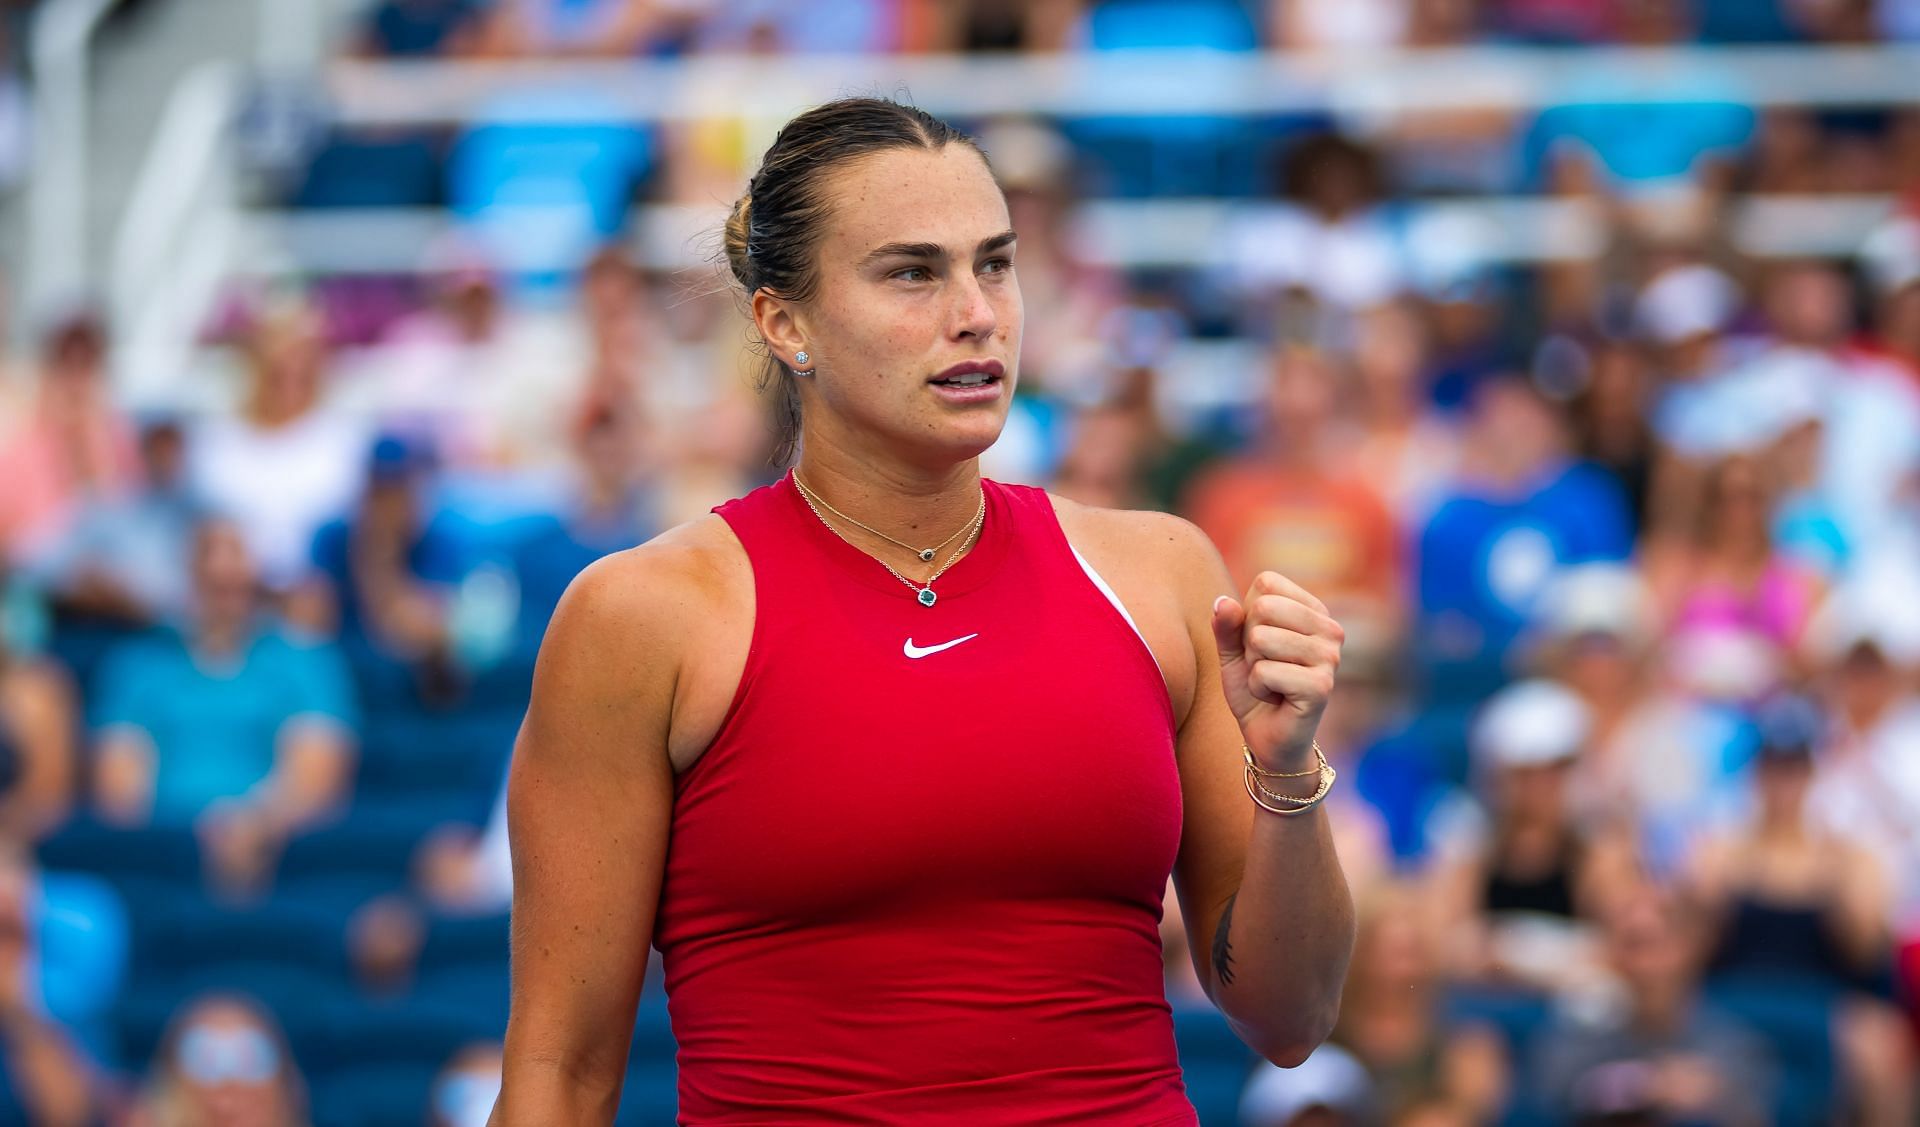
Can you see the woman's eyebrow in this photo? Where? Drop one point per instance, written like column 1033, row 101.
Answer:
column 905, row 250
column 934, row 250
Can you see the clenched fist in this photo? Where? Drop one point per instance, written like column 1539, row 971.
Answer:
column 1278, row 654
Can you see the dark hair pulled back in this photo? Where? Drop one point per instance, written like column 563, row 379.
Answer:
column 776, row 226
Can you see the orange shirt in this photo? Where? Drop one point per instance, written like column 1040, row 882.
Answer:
column 1331, row 534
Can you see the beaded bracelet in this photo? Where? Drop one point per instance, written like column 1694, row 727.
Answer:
column 1295, row 805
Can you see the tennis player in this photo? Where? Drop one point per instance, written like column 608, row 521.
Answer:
column 892, row 762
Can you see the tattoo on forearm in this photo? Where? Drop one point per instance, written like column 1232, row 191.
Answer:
column 1222, row 948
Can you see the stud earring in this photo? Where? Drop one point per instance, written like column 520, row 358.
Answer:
column 800, row 368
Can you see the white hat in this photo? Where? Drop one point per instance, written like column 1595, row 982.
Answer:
column 1329, row 1078
column 1686, row 302
column 1891, row 255
column 1877, row 607
column 1723, row 662
column 1596, row 598
column 1530, row 723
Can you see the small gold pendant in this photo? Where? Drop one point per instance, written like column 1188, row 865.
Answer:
column 926, row 555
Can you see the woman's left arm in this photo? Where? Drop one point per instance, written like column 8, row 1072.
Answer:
column 1269, row 916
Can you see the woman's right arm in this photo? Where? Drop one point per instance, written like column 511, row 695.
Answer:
column 589, row 799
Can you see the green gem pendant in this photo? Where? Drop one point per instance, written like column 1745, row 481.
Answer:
column 926, row 596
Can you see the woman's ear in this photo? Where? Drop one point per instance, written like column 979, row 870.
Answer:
column 780, row 328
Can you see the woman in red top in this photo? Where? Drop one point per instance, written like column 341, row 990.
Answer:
column 892, row 762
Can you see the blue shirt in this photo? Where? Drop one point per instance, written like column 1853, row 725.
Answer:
column 1484, row 559
column 215, row 723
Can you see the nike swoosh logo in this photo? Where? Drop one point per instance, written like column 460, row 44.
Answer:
column 912, row 650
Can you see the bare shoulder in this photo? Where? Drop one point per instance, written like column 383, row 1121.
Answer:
column 663, row 628
column 629, row 622
column 1156, row 539
column 680, row 575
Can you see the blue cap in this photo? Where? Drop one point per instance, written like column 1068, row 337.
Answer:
column 396, row 458
column 1789, row 726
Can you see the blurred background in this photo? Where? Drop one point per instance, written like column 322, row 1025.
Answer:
column 1570, row 349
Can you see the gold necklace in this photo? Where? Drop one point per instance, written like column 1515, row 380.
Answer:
column 923, row 592
column 926, row 554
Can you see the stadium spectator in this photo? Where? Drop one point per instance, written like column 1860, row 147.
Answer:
column 1728, row 577
column 1328, row 1089
column 227, row 724
column 1804, row 912
column 1328, row 249
column 391, row 568
column 1608, row 409
column 223, row 1061
column 470, row 376
column 609, row 507
column 1393, row 1028
column 45, row 1077
column 584, row 28
column 416, row 28
column 1519, row 509
column 122, row 562
column 1659, row 1052
column 1402, row 447
column 1518, row 881
column 39, row 763
column 285, row 463
column 1328, row 25
column 1285, row 507
column 74, row 441
column 998, row 25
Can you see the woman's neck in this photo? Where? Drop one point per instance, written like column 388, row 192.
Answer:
column 916, row 505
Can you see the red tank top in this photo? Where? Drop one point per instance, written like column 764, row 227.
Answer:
column 917, row 876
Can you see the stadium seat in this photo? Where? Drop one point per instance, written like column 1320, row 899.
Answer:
column 295, row 995
column 194, row 933
column 169, row 855
column 372, row 1095
column 1214, row 1063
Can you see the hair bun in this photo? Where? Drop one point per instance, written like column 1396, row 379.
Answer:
column 737, row 238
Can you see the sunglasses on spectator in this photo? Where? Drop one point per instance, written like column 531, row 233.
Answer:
column 227, row 1056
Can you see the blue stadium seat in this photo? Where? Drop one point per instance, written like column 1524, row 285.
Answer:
column 466, row 941
column 376, row 839
column 169, row 855
column 1796, row 1024
column 192, row 934
column 356, row 1032
column 1213, row 1061
column 298, row 997
column 455, row 755
column 1174, row 155
column 373, row 1095
column 371, row 171
column 650, row 1096
column 476, row 991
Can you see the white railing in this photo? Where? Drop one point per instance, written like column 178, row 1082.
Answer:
column 1129, row 234
column 57, row 198
column 177, row 241
column 183, row 236
column 1136, row 83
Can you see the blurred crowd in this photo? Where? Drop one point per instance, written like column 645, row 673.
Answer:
column 1626, row 544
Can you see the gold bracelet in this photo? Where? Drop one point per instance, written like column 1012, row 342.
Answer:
column 1247, row 752
column 1295, row 805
